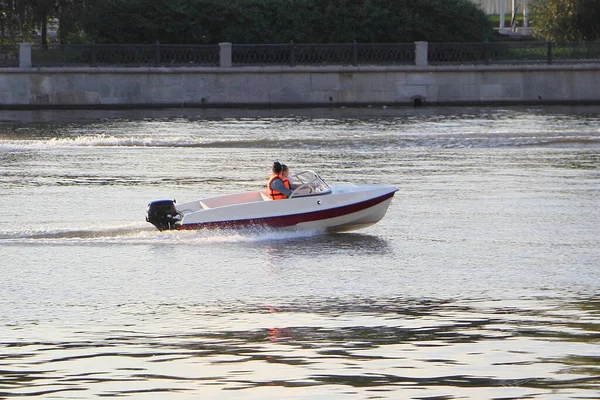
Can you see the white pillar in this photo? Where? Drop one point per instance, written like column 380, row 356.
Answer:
column 502, row 13
column 525, row 4
column 421, row 59
column 225, row 54
column 25, row 55
column 513, row 17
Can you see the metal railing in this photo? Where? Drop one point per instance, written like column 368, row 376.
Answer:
column 512, row 53
column 387, row 54
column 125, row 55
column 9, row 55
column 323, row 54
column 575, row 52
column 292, row 54
column 263, row 54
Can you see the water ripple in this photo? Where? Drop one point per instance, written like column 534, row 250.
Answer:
column 366, row 345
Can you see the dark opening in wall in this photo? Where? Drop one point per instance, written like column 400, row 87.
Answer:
column 418, row 101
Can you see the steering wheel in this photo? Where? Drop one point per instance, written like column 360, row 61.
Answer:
column 308, row 185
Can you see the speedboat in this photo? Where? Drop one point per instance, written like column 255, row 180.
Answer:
column 313, row 205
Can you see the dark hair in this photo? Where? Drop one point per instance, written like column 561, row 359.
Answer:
column 277, row 167
column 284, row 168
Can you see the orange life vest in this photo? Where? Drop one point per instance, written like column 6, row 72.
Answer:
column 276, row 194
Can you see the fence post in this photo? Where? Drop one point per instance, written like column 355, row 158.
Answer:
column 25, row 55
column 549, row 52
column 292, row 54
column 93, row 61
column 225, row 54
column 354, row 53
column 421, row 58
column 486, row 53
column 157, row 61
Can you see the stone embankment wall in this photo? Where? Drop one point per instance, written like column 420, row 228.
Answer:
column 88, row 87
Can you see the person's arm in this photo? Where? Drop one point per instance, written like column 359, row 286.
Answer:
column 278, row 185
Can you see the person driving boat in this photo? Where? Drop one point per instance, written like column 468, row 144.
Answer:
column 285, row 172
column 278, row 186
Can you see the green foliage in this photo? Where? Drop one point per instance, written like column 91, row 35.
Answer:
column 20, row 20
column 495, row 19
column 70, row 14
column 280, row 21
column 246, row 21
column 566, row 20
column 16, row 21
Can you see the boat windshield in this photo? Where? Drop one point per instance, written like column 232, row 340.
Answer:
column 308, row 183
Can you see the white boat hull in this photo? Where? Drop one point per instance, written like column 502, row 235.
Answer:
column 346, row 208
column 313, row 205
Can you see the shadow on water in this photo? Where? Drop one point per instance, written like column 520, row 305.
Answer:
column 62, row 116
column 538, row 346
column 282, row 247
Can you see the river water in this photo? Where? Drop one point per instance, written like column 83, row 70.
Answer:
column 482, row 281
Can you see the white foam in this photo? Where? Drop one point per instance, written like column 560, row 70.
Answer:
column 135, row 234
column 100, row 140
column 501, row 137
column 113, row 141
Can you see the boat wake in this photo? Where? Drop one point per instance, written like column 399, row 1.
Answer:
column 135, row 235
column 391, row 140
column 58, row 234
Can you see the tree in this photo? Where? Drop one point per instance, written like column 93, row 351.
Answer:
column 279, row 21
column 21, row 20
column 69, row 13
column 42, row 10
column 16, row 21
column 566, row 20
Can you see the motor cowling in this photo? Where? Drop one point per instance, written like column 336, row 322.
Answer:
column 163, row 214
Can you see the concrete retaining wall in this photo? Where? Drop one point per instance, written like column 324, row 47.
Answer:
column 296, row 86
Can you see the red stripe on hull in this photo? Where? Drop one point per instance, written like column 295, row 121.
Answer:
column 290, row 220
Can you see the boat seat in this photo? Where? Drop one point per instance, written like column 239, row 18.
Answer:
column 204, row 206
column 265, row 196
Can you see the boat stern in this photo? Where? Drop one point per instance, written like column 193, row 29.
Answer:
column 163, row 215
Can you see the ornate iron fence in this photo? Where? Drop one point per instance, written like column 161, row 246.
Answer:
column 517, row 53
column 290, row 54
column 512, row 53
column 323, row 54
column 9, row 55
column 387, row 54
column 455, row 53
column 575, row 52
column 262, row 54
column 60, row 56
column 189, row 55
column 125, row 55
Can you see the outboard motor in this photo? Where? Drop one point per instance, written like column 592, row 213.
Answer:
column 162, row 214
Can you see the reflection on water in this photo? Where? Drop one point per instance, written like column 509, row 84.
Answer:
column 319, row 243
column 480, row 282
column 366, row 346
